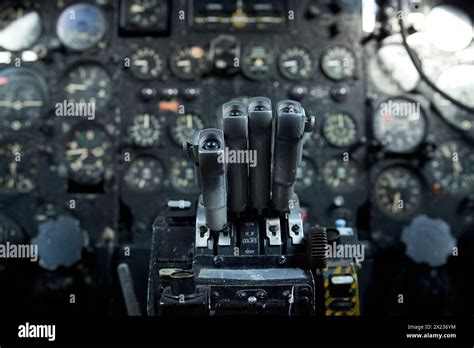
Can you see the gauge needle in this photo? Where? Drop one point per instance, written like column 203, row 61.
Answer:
column 189, row 120
column 73, row 87
column 183, row 63
column 290, row 63
column 457, row 168
column 141, row 62
column 135, row 8
column 13, row 168
column 146, row 121
column 396, row 199
column 341, row 121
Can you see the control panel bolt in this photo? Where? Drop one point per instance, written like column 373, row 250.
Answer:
column 218, row 260
column 252, row 300
column 295, row 228
column 215, row 295
column 282, row 260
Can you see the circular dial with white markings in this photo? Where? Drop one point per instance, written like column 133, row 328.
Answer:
column 88, row 153
column 145, row 130
column 146, row 64
column 340, row 175
column 296, row 63
column 398, row 191
column 144, row 174
column 340, row 130
column 184, row 126
column 399, row 125
column 88, row 83
column 452, row 167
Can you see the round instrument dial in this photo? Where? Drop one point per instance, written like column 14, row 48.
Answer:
column 145, row 130
column 145, row 174
column 340, row 175
column 183, row 176
column 88, row 153
column 184, row 126
column 399, row 125
column 296, row 63
column 146, row 13
column 340, row 130
column 88, row 83
column 20, row 28
column 17, row 168
column 189, row 63
column 146, row 64
column 258, row 62
column 305, row 174
column 392, row 71
column 81, row 26
column 452, row 167
column 458, row 82
column 338, row 63
column 398, row 191
column 23, row 98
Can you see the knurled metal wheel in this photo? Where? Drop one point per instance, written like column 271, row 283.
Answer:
column 317, row 243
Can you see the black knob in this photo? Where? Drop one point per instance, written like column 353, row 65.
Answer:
column 182, row 283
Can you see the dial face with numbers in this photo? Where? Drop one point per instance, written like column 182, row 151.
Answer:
column 183, row 176
column 398, row 191
column 189, row 63
column 145, row 130
column 257, row 62
column 88, row 153
column 305, row 174
column 399, row 125
column 452, row 167
column 340, row 130
column 145, row 174
column 146, row 14
column 184, row 126
column 340, row 175
column 23, row 98
column 146, row 64
column 88, row 83
column 17, row 168
column 296, row 63
column 81, row 26
column 338, row 63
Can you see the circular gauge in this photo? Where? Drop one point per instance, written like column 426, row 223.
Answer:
column 81, row 26
column 184, row 126
column 458, row 82
column 338, row 63
column 189, row 63
column 144, row 174
column 392, row 71
column 340, row 130
column 146, row 13
column 146, row 64
column 145, row 130
column 23, row 98
column 449, row 28
column 88, row 83
column 257, row 62
column 183, row 176
column 88, row 153
column 340, row 175
column 398, row 191
column 17, row 168
column 20, row 28
column 452, row 167
column 296, row 63
column 399, row 125
column 305, row 174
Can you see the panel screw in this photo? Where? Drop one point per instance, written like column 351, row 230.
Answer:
column 281, row 260
column 218, row 260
